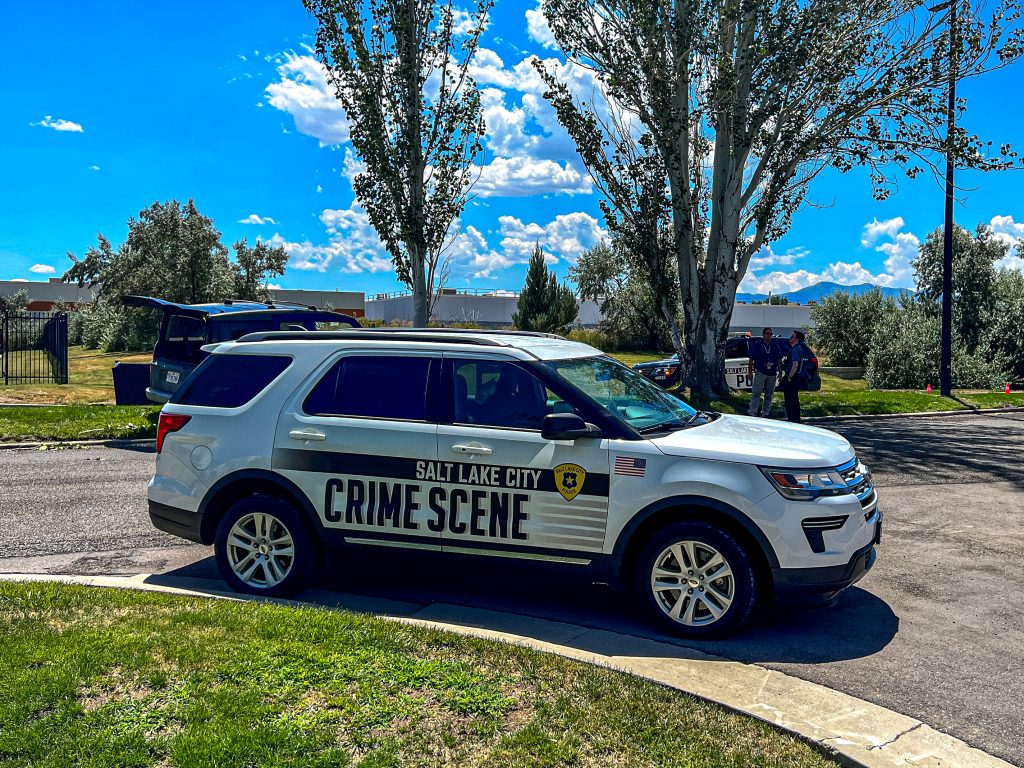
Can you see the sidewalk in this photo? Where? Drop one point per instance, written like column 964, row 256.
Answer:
column 857, row 732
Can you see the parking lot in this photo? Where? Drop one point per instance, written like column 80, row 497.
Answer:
column 935, row 631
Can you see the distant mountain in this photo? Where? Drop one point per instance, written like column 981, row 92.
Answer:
column 818, row 291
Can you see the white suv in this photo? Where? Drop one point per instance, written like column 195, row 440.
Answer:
column 282, row 446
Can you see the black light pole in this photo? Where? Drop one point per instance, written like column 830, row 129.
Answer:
column 946, row 358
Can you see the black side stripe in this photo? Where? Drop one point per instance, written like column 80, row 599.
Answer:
column 334, row 463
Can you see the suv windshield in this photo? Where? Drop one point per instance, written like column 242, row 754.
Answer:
column 624, row 393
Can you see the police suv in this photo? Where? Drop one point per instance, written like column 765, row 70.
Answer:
column 282, row 447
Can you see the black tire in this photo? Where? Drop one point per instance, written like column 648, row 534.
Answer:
column 274, row 575
column 705, row 597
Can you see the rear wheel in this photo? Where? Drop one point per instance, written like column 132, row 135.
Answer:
column 696, row 580
column 262, row 547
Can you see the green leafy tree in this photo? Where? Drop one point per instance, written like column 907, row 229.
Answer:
column 904, row 353
column 254, row 266
column 974, row 278
column 844, row 325
column 401, row 73
column 172, row 252
column 1003, row 337
column 722, row 112
column 15, row 302
column 544, row 305
column 773, row 299
column 630, row 315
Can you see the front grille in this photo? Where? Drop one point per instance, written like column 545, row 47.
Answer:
column 859, row 481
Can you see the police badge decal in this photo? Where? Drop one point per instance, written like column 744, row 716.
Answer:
column 569, row 480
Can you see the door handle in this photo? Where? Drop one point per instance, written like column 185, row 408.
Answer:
column 480, row 450
column 306, row 434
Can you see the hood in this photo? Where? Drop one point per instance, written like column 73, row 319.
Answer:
column 658, row 363
column 758, row 441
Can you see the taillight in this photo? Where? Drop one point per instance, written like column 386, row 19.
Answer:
column 169, row 422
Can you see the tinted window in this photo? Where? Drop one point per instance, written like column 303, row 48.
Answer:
column 379, row 386
column 493, row 394
column 183, row 328
column 228, row 381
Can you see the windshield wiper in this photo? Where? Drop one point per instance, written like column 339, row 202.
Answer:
column 665, row 426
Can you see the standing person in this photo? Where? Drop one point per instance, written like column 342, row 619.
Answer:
column 791, row 372
column 765, row 357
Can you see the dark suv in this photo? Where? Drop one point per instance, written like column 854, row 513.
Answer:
column 186, row 328
column 665, row 373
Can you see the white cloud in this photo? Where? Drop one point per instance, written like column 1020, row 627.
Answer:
column 59, row 124
column 898, row 247
column 567, row 236
column 253, row 218
column 41, row 269
column 522, row 176
column 94, row 167
column 1008, row 231
column 304, row 93
column 352, row 247
column 876, row 229
column 537, row 26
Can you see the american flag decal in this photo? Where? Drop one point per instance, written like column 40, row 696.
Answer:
column 630, row 467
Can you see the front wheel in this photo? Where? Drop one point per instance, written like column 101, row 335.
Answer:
column 696, row 580
column 262, row 547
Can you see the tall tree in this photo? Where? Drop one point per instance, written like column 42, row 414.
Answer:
column 400, row 69
column 974, row 278
column 744, row 102
column 254, row 266
column 544, row 305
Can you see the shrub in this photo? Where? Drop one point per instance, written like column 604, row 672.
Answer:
column 544, row 305
column 844, row 325
column 905, row 354
column 594, row 338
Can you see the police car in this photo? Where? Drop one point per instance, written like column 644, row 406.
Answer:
column 282, row 447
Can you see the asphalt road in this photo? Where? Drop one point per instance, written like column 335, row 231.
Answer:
column 935, row 631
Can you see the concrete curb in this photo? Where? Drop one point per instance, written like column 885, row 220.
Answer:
column 884, row 416
column 111, row 442
column 856, row 732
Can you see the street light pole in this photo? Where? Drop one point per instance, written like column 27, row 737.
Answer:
column 946, row 358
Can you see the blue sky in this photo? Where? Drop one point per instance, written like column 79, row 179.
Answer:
column 110, row 107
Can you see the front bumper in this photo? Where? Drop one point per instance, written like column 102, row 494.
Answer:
column 176, row 521
column 811, row 584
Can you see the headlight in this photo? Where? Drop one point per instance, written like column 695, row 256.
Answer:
column 806, row 485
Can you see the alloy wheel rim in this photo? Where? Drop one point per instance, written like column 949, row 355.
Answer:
column 693, row 583
column 260, row 550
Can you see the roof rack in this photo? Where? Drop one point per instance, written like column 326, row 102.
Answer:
column 373, row 334
column 270, row 304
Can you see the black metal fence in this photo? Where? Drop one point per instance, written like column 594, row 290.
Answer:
column 34, row 347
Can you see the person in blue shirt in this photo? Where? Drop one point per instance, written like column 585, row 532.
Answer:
column 765, row 357
column 792, row 369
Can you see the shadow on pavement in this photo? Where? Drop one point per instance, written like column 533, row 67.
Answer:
column 498, row 597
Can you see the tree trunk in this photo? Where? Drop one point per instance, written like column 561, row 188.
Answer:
column 706, row 372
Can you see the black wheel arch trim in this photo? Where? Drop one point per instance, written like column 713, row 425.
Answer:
column 683, row 502
column 263, row 475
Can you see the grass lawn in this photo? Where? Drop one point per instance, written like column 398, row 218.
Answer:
column 117, row 678
column 850, row 397
column 90, row 380
column 77, row 422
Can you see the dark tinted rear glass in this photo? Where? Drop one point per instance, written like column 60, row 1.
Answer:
column 382, row 387
column 228, row 381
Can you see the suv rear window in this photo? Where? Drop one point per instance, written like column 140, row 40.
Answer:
column 228, row 381
column 381, row 386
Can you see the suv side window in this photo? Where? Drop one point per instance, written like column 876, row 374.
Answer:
column 230, row 381
column 372, row 386
column 501, row 394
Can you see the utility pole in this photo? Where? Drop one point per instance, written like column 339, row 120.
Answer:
column 946, row 358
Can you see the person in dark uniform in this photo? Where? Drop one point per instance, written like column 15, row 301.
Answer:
column 789, row 376
column 763, row 369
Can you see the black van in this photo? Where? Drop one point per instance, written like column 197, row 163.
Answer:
column 185, row 328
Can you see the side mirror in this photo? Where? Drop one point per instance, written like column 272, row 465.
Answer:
column 567, row 426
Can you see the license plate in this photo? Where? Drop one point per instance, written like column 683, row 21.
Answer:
column 659, row 376
column 173, row 377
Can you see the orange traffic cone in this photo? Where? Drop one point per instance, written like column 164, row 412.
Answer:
column 929, row 389
column 1006, row 389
